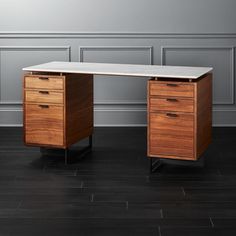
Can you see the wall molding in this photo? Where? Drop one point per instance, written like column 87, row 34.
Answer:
column 116, row 48
column 232, row 51
column 223, row 115
column 79, row 34
column 120, row 102
column 28, row 48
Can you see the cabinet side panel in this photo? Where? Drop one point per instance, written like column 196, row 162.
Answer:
column 79, row 107
column 23, row 96
column 204, row 114
column 148, row 119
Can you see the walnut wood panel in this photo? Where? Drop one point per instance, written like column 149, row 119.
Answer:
column 166, row 147
column 44, row 124
column 204, row 114
column 164, row 88
column 171, row 104
column 79, row 107
column 171, row 134
column 176, row 124
column 44, row 96
column 44, row 82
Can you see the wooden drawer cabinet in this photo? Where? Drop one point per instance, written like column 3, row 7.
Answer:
column 58, row 110
column 179, row 118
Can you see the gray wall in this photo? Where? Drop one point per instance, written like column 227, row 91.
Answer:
column 171, row 32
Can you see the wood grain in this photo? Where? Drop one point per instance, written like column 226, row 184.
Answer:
column 176, row 89
column 44, row 96
column 174, row 123
column 171, row 104
column 204, row 114
column 171, row 135
column 44, row 124
column 79, row 107
column 44, row 82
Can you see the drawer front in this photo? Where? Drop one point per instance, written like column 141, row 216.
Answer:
column 171, row 134
column 171, row 104
column 44, row 124
column 44, row 82
column 43, row 96
column 175, row 89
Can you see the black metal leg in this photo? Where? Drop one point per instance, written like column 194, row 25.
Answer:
column 66, row 152
column 66, row 156
column 154, row 165
column 87, row 149
column 90, row 141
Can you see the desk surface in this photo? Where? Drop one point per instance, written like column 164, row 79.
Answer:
column 121, row 69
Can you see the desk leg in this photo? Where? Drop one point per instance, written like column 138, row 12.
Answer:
column 66, row 152
column 91, row 141
column 154, row 165
column 82, row 152
column 66, row 156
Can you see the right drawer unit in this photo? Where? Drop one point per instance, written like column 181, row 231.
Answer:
column 179, row 118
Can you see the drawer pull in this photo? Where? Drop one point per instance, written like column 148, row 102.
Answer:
column 171, row 100
column 44, row 106
column 44, row 92
column 171, row 115
column 43, row 78
column 172, row 85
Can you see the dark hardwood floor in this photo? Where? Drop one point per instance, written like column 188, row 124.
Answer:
column 111, row 192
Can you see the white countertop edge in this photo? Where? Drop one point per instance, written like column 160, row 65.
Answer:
column 54, row 64
column 114, row 74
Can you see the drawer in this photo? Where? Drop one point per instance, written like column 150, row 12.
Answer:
column 44, row 82
column 43, row 96
column 44, row 124
column 171, row 104
column 174, row 89
column 171, row 134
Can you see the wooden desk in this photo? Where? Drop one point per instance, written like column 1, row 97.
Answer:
column 58, row 106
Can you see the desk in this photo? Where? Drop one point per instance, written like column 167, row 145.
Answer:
column 58, row 106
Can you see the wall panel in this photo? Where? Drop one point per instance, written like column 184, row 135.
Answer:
column 119, row 101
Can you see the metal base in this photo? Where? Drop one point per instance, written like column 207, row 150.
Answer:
column 154, row 165
column 83, row 152
column 66, row 151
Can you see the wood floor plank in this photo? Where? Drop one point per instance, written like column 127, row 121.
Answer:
column 111, row 191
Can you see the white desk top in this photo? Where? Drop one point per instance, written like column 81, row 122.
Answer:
column 121, row 69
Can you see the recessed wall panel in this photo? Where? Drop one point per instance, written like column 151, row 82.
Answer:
column 13, row 59
column 118, row 89
column 220, row 58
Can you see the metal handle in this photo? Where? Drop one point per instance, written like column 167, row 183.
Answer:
column 172, row 85
column 44, row 92
column 44, row 106
column 43, row 78
column 171, row 100
column 171, row 115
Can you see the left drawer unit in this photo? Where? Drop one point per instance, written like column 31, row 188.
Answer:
column 44, row 110
column 55, row 111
